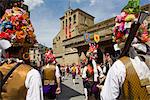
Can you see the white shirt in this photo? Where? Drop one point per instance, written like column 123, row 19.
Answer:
column 116, row 47
column 116, row 76
column 34, row 85
column 57, row 72
column 96, row 68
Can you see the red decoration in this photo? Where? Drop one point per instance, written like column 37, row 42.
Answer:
column 49, row 57
column 69, row 30
column 4, row 35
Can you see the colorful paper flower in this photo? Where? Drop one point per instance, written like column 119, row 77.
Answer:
column 15, row 25
column 130, row 18
column 4, row 35
column 20, row 35
column 49, row 57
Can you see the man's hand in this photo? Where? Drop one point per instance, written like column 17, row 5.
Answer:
column 58, row 90
column 99, row 86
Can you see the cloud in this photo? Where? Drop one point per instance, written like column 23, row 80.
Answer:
column 45, row 28
column 103, row 10
column 92, row 2
column 78, row 1
column 33, row 3
column 46, row 31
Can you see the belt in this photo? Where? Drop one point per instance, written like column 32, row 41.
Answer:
column 49, row 82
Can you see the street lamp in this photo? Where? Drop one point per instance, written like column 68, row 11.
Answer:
column 134, row 27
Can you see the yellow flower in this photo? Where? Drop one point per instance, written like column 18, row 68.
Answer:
column 96, row 38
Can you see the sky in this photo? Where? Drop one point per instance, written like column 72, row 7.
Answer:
column 45, row 14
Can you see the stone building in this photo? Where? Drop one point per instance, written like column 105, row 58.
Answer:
column 70, row 41
column 72, row 24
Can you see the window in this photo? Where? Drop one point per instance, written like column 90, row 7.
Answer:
column 66, row 22
column 63, row 24
column 69, row 19
column 85, row 22
column 74, row 19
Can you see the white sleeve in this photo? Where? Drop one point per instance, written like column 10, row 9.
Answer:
column 100, row 72
column 34, row 85
column 95, row 70
column 57, row 72
column 84, row 72
column 114, row 80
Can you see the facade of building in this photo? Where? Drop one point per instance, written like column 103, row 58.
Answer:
column 70, row 41
column 35, row 55
column 72, row 23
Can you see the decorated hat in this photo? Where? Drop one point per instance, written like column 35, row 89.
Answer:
column 124, row 21
column 133, row 7
column 92, row 51
column 49, row 57
column 16, row 27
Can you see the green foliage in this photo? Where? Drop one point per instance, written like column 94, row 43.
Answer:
column 132, row 7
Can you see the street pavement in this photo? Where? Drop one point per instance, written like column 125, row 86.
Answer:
column 71, row 91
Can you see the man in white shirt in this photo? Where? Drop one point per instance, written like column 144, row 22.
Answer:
column 92, row 72
column 23, row 83
column 129, row 77
column 51, row 76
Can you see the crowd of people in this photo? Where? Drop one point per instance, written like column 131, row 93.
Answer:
column 92, row 71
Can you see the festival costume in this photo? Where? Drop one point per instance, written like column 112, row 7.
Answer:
column 90, row 74
column 15, row 83
column 73, row 72
column 90, row 79
column 24, row 82
column 129, row 77
column 67, row 69
column 49, row 80
column 133, row 87
column 117, row 75
column 50, row 74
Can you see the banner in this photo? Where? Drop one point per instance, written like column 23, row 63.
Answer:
column 70, row 30
column 96, row 38
column 87, row 37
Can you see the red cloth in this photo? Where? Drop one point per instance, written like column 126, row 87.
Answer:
column 49, row 57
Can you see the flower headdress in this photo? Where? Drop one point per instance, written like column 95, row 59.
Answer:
column 92, row 51
column 16, row 27
column 123, row 23
column 49, row 57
